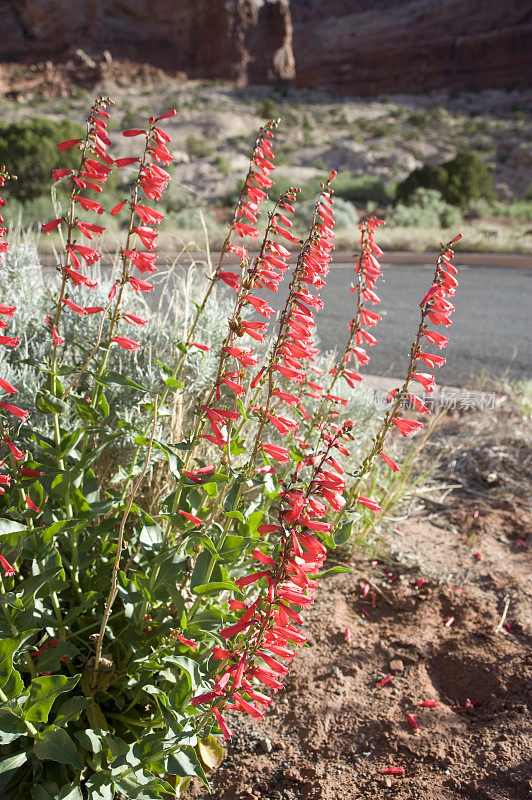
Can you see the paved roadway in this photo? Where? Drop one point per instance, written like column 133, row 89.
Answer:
column 492, row 324
column 492, row 330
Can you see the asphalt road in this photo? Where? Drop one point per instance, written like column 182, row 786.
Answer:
column 492, row 330
column 492, row 324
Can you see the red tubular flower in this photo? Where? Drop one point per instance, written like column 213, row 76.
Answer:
column 134, row 320
column 139, row 285
column 67, row 144
column 49, row 226
column 17, row 412
column 407, row 427
column 7, row 387
column 127, row 344
column 89, row 205
column 57, row 340
column 191, row 518
column 31, row 504
column 412, row 721
column 183, row 640
column 118, row 208
column 9, row 570
column 78, row 279
column 10, row 341
column 81, row 312
column 393, row 771
column 391, row 463
column 18, row 455
column 221, row 722
column 8, row 311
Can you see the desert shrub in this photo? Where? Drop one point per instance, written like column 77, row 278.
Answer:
column 170, row 490
column 460, row 181
column 31, row 147
column 267, row 108
column 426, row 208
column 364, row 189
column 519, row 210
column 198, row 147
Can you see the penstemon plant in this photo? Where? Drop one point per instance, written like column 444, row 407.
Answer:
column 127, row 636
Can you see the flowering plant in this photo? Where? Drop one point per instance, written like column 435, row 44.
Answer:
column 128, row 635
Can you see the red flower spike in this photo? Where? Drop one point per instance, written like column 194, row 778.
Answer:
column 428, row 703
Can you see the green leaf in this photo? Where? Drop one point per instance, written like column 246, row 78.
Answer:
column 47, row 404
column 173, row 383
column 72, row 792
column 10, row 765
column 7, row 648
column 14, row 686
column 186, row 763
column 103, row 405
column 232, row 547
column 333, row 571
column 56, row 745
column 43, row 692
column 11, row 727
column 234, row 515
column 99, row 787
column 215, row 587
column 90, row 740
column 343, row 535
column 70, row 710
column 116, row 379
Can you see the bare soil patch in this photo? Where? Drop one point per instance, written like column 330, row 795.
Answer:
column 333, row 731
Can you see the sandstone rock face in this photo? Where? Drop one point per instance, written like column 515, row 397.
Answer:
column 343, row 45
column 241, row 40
column 412, row 45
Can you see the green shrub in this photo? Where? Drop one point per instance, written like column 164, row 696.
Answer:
column 363, row 189
column 198, row 147
column 29, row 149
column 460, row 181
column 267, row 108
column 426, row 208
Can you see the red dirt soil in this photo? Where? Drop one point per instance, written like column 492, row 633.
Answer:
column 330, row 734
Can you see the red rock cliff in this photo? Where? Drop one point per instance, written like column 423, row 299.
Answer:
column 412, row 45
column 343, row 45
